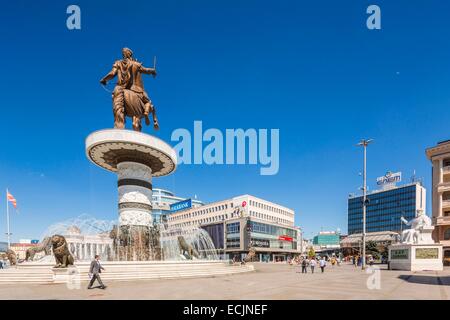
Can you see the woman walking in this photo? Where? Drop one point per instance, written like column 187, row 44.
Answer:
column 312, row 264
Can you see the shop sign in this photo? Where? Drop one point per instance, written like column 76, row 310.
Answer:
column 285, row 238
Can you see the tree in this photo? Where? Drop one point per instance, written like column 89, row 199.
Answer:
column 311, row 252
column 372, row 248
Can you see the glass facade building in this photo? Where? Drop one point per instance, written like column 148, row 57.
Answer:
column 161, row 201
column 327, row 239
column 385, row 207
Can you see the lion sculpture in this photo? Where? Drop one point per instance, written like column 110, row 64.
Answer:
column 186, row 249
column 12, row 257
column 61, row 252
column 249, row 257
column 45, row 245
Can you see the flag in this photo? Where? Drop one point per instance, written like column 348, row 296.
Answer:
column 11, row 199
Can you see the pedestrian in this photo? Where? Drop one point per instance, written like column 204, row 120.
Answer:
column 322, row 264
column 371, row 260
column 305, row 265
column 312, row 264
column 1, row 264
column 94, row 272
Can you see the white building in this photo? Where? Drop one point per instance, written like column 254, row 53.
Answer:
column 439, row 156
column 254, row 207
column 240, row 223
column 85, row 247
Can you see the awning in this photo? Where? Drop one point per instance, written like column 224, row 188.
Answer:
column 382, row 236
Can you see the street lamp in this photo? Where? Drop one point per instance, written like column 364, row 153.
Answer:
column 364, row 143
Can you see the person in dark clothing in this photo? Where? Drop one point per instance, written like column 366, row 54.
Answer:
column 305, row 266
column 95, row 270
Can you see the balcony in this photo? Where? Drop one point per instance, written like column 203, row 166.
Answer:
column 445, row 203
column 442, row 220
column 443, row 186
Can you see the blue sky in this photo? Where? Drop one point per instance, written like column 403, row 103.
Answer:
column 310, row 68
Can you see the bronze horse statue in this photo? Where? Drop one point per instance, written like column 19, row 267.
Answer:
column 129, row 97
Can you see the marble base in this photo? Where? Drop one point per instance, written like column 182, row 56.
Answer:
column 415, row 257
column 65, row 275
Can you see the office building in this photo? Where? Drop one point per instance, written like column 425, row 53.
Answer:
column 242, row 222
column 386, row 206
column 162, row 200
column 327, row 239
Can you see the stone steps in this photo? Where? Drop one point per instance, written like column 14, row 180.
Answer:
column 122, row 271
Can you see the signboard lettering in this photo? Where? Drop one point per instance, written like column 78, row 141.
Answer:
column 400, row 254
column 427, row 253
column 389, row 178
column 182, row 205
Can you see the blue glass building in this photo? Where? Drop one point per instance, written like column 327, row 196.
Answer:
column 385, row 207
column 161, row 201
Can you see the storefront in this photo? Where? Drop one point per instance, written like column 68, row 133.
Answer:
column 271, row 242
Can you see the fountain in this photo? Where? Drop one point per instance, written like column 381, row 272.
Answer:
column 132, row 247
column 87, row 236
column 195, row 237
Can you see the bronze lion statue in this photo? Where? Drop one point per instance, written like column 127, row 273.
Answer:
column 186, row 249
column 61, row 252
column 45, row 245
column 12, row 257
column 249, row 257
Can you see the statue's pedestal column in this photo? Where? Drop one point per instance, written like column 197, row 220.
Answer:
column 136, row 158
column 70, row 276
column 135, row 194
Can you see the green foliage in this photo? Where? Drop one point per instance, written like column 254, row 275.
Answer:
column 311, row 252
column 372, row 248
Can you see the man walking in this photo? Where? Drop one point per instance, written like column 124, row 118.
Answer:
column 305, row 265
column 322, row 264
column 94, row 271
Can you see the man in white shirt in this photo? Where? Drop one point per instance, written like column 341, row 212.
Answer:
column 312, row 264
column 322, row 264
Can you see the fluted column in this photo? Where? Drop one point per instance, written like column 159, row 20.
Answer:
column 135, row 194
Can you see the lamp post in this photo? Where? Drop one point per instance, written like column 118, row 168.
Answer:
column 364, row 143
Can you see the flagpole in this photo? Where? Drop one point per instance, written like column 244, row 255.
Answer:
column 7, row 219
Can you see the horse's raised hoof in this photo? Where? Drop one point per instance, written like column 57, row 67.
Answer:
column 156, row 126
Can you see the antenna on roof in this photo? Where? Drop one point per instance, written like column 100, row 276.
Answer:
column 413, row 177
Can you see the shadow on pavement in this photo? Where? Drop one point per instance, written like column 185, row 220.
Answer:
column 419, row 279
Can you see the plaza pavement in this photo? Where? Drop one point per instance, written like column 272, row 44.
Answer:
column 269, row 281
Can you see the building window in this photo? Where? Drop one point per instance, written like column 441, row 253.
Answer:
column 233, row 227
column 447, row 234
